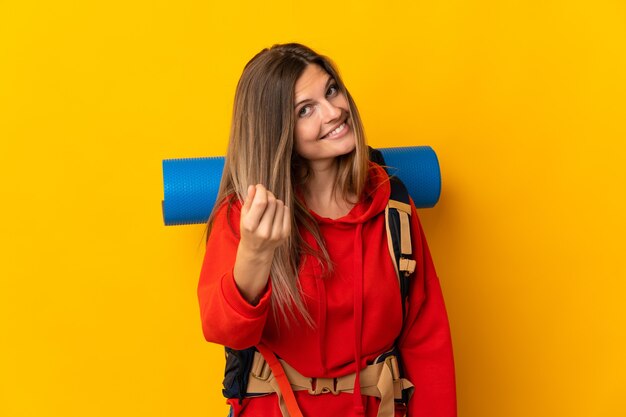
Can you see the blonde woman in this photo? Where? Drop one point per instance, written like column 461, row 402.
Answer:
column 298, row 281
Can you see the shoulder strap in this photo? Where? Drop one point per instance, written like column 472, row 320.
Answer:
column 376, row 156
column 398, row 226
column 400, row 202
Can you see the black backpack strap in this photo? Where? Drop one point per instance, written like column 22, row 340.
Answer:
column 397, row 219
column 398, row 225
column 377, row 156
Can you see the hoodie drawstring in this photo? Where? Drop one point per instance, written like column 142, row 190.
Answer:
column 358, row 316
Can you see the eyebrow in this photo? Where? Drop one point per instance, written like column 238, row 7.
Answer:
column 330, row 80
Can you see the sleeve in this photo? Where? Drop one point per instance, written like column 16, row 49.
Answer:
column 227, row 318
column 425, row 343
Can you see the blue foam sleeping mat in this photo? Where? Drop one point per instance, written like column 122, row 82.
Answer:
column 191, row 184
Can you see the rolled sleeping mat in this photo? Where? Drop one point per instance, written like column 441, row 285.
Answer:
column 191, row 184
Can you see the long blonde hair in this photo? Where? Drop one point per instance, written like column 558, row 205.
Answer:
column 261, row 151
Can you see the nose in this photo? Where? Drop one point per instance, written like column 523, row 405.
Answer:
column 330, row 111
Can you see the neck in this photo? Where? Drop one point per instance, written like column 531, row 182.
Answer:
column 321, row 194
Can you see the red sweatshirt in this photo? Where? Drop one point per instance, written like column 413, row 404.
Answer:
column 357, row 311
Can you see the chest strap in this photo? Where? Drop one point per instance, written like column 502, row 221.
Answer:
column 381, row 380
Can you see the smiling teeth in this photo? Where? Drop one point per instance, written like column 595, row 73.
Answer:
column 336, row 131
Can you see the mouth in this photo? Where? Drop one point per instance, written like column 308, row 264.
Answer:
column 337, row 130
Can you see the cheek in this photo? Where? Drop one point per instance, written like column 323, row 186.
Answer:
column 299, row 138
column 305, row 138
column 342, row 102
column 304, row 131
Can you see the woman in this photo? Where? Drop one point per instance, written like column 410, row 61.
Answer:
column 297, row 262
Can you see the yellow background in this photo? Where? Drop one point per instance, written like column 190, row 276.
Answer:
column 523, row 101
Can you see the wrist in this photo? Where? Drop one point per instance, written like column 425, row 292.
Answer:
column 251, row 273
column 255, row 257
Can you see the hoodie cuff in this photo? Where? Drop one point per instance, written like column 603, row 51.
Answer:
column 233, row 297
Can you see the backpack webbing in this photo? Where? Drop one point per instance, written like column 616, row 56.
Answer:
column 398, row 226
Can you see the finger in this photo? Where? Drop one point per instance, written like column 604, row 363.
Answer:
column 250, row 220
column 265, row 224
column 277, row 225
column 249, row 197
column 286, row 230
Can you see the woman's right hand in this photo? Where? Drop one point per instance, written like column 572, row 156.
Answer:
column 264, row 225
column 265, row 221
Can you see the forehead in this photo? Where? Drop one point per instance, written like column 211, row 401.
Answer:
column 313, row 78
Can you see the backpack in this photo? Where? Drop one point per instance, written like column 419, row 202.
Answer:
column 397, row 212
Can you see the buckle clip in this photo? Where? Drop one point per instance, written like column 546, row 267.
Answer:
column 407, row 265
column 392, row 362
column 323, row 386
column 260, row 368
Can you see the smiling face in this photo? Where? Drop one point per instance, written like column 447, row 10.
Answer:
column 323, row 129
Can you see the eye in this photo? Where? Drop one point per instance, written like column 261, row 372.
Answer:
column 333, row 90
column 304, row 111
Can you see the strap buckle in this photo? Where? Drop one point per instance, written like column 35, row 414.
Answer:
column 407, row 265
column 260, row 368
column 323, row 386
column 392, row 362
